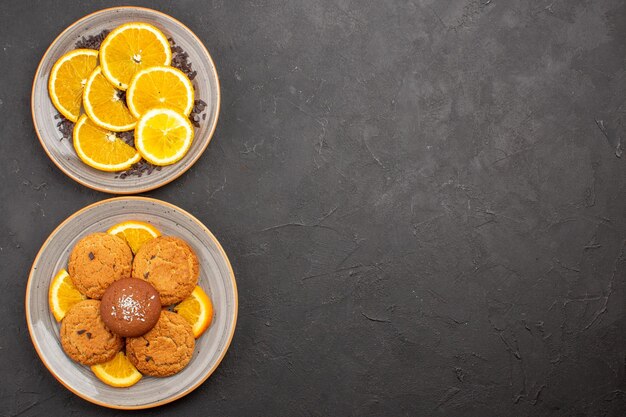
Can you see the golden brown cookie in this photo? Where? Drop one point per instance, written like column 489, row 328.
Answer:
column 98, row 260
column 170, row 265
column 164, row 350
column 84, row 336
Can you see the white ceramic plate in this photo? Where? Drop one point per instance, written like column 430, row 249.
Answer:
column 62, row 153
column 216, row 278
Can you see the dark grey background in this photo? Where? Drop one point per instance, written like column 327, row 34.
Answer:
column 422, row 212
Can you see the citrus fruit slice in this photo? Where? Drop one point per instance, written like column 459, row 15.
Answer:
column 130, row 48
column 197, row 309
column 160, row 87
column 104, row 104
column 62, row 295
column 67, row 81
column 163, row 136
column 102, row 149
column 118, row 372
column 135, row 232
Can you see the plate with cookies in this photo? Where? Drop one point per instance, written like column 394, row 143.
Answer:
column 125, row 100
column 131, row 303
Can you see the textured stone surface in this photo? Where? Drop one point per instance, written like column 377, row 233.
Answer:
column 422, row 201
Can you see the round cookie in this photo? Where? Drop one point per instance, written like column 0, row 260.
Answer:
column 130, row 307
column 85, row 338
column 97, row 261
column 164, row 350
column 170, row 265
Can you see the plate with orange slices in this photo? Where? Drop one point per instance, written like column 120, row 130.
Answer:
column 210, row 309
column 125, row 100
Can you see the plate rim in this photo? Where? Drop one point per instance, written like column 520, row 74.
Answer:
column 163, row 401
column 144, row 188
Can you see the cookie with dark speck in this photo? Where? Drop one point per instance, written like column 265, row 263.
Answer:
column 170, row 265
column 85, row 338
column 97, row 261
column 164, row 350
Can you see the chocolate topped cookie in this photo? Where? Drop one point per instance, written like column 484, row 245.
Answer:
column 97, row 261
column 164, row 350
column 170, row 265
column 130, row 307
column 85, row 338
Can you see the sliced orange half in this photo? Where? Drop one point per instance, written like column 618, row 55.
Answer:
column 197, row 309
column 102, row 149
column 135, row 232
column 62, row 295
column 163, row 136
column 160, row 87
column 130, row 48
column 68, row 78
column 118, row 372
column 104, row 104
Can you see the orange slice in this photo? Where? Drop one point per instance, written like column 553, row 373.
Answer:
column 163, row 136
column 104, row 104
column 135, row 232
column 62, row 295
column 118, row 372
column 130, row 48
column 197, row 310
column 102, row 149
column 68, row 78
column 160, row 87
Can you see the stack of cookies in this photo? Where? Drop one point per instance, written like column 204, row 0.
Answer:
column 125, row 300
